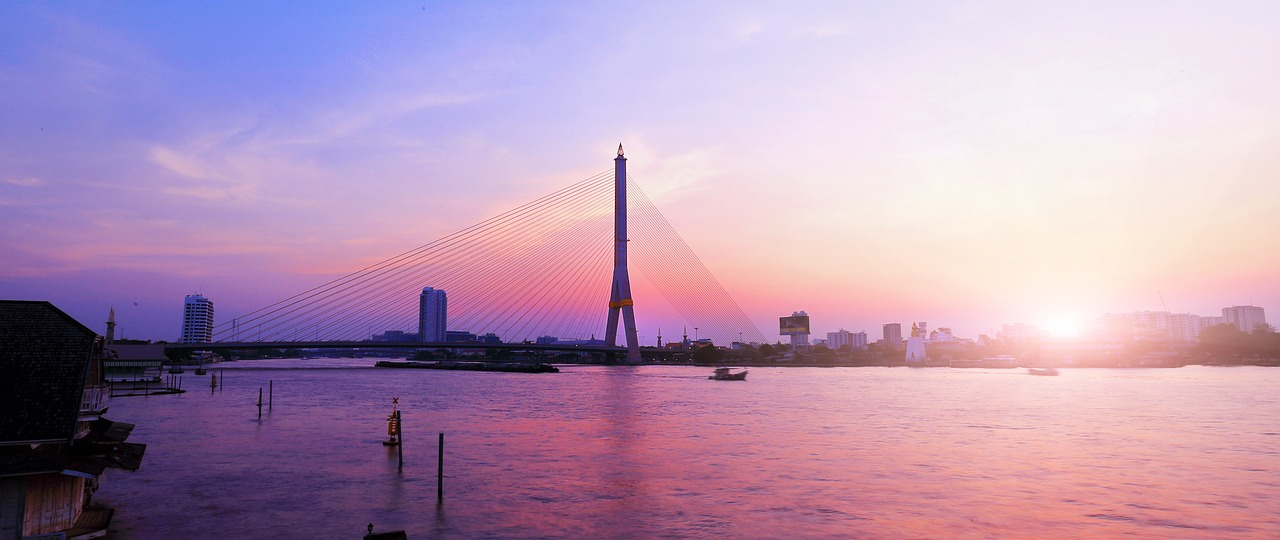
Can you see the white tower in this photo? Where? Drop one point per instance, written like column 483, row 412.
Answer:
column 197, row 319
column 915, row 346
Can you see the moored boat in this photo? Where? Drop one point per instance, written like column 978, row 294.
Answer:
column 1042, row 371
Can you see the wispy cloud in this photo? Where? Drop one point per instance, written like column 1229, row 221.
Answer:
column 25, row 182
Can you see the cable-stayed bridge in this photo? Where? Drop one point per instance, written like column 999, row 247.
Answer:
column 555, row 267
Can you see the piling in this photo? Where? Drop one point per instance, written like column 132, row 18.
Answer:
column 271, row 392
column 400, row 437
column 440, row 471
column 259, row 403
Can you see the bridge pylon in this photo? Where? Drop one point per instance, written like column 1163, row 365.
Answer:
column 620, row 297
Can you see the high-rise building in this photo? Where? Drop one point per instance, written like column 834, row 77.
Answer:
column 838, row 339
column 1245, row 318
column 893, row 335
column 433, row 313
column 197, row 319
column 1185, row 327
column 860, row 340
column 855, row 340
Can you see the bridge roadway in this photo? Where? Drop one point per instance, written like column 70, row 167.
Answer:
column 240, row 345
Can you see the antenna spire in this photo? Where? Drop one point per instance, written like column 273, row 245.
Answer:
column 619, row 149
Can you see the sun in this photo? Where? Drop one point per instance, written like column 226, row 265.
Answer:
column 1062, row 326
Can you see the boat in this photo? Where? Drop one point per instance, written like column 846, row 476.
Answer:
column 727, row 374
column 176, row 369
column 1042, row 371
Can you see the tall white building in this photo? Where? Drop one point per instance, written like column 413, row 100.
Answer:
column 433, row 313
column 1245, row 318
column 859, row 340
column 838, row 339
column 1185, row 326
column 197, row 319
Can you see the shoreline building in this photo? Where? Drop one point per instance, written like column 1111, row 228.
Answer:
column 796, row 326
column 842, row 337
column 433, row 314
column 197, row 319
column 893, row 335
column 1244, row 318
column 55, row 444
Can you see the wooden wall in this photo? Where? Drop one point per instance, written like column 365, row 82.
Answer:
column 54, row 501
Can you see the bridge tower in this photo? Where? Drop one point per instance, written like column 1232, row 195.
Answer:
column 620, row 297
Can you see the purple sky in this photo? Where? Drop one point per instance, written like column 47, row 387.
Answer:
column 964, row 163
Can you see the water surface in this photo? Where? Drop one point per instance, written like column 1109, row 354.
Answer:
column 662, row 452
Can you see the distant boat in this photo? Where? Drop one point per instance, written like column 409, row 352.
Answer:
column 727, row 374
column 1042, row 371
column 176, row 369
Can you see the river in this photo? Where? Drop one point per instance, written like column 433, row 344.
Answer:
column 663, row 452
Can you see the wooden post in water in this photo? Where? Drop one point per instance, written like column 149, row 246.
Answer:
column 400, row 437
column 440, row 471
column 259, row 403
column 271, row 387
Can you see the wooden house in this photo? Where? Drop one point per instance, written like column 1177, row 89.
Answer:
column 55, row 446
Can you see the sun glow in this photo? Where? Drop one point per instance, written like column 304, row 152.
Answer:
column 1062, row 326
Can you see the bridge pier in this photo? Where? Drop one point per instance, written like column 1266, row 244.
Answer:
column 620, row 302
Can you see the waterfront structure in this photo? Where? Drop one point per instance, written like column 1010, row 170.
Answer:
column 915, row 345
column 796, row 326
column 197, row 319
column 1185, row 327
column 942, row 334
column 859, row 340
column 1155, row 326
column 893, row 335
column 433, row 314
column 54, row 443
column 132, row 366
column 620, row 302
column 841, row 338
column 1244, row 318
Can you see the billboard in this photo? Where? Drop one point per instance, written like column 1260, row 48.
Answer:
column 793, row 325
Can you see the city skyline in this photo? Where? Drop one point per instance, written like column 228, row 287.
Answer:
column 965, row 165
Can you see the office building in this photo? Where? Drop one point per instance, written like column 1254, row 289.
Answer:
column 433, row 313
column 1244, row 318
column 893, row 335
column 197, row 319
column 854, row 340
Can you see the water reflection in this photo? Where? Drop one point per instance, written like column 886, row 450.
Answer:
column 661, row 451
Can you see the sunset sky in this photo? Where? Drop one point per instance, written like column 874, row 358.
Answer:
column 963, row 163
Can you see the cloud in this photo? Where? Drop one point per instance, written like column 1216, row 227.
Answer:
column 183, row 165
column 25, row 182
